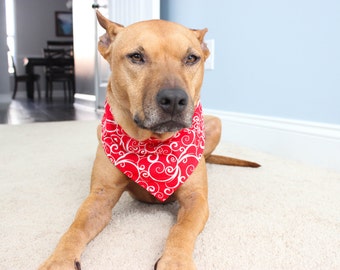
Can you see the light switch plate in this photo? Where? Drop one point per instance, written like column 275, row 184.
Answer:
column 209, row 63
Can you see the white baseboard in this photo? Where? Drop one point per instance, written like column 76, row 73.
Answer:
column 309, row 142
column 84, row 101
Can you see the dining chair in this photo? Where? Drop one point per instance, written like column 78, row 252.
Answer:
column 24, row 78
column 53, row 44
column 67, row 45
column 58, row 70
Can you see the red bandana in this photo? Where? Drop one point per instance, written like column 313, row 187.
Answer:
column 160, row 167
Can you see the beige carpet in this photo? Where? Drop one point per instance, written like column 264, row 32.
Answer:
column 284, row 215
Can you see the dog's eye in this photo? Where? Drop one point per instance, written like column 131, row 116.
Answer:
column 136, row 58
column 191, row 59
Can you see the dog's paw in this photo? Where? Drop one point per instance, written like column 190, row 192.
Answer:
column 52, row 264
column 172, row 264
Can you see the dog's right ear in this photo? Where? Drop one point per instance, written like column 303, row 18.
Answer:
column 112, row 29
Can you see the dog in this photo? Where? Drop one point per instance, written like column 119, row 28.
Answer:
column 154, row 141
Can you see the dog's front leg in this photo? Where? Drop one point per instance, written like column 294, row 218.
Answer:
column 192, row 216
column 107, row 185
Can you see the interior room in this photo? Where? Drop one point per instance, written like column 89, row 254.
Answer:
column 273, row 80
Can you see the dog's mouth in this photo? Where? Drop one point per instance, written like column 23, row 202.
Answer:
column 161, row 127
column 169, row 126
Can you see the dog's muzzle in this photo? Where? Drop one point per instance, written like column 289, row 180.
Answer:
column 172, row 112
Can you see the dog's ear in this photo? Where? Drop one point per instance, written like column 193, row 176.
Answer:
column 112, row 29
column 200, row 36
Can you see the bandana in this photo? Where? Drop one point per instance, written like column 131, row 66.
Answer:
column 160, row 167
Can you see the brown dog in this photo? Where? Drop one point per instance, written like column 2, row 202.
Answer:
column 152, row 103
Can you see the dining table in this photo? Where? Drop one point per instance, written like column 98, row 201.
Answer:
column 31, row 62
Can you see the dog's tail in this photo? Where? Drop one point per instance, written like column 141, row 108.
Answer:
column 222, row 160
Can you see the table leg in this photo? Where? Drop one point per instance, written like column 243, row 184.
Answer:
column 30, row 83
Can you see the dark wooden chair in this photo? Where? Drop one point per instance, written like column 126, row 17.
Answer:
column 61, row 44
column 24, row 78
column 59, row 68
column 67, row 45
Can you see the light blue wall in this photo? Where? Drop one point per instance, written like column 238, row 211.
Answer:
column 272, row 58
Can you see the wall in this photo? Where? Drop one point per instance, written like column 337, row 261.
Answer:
column 276, row 82
column 272, row 58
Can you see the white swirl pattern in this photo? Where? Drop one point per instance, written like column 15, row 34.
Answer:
column 160, row 167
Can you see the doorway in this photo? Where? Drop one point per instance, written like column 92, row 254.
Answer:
column 124, row 12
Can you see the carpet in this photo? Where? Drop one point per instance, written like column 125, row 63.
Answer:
column 284, row 215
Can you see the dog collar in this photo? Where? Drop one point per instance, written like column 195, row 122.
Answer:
column 160, row 167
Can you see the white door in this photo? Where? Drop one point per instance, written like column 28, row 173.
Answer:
column 124, row 12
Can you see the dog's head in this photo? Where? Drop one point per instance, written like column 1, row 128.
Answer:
column 157, row 72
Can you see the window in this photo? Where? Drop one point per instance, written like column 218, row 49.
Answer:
column 10, row 28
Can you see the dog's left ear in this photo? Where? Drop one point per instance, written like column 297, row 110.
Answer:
column 112, row 29
column 200, row 36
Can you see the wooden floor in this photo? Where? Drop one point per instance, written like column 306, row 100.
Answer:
column 23, row 111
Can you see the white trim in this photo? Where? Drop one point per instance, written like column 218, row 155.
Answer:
column 85, row 97
column 309, row 142
column 156, row 9
column 85, row 101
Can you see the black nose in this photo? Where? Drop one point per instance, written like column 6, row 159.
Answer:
column 172, row 101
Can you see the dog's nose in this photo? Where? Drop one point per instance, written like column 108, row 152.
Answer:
column 172, row 101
